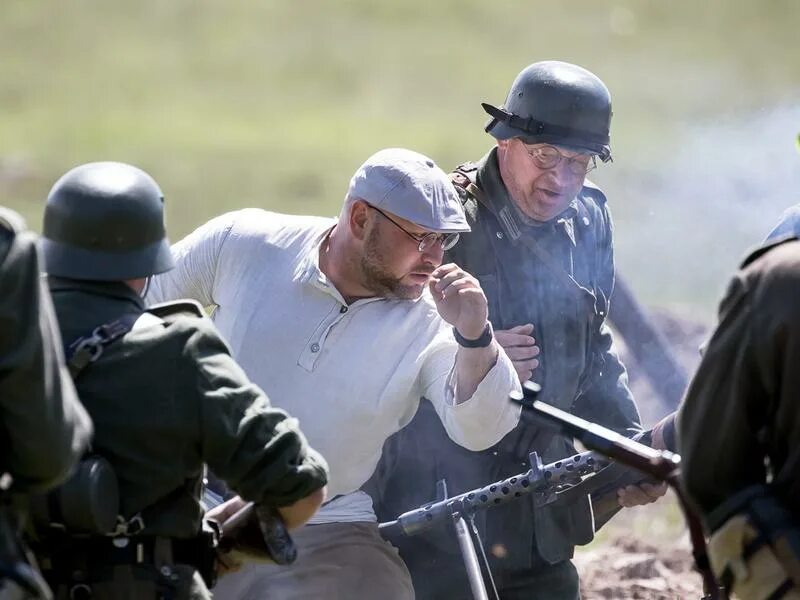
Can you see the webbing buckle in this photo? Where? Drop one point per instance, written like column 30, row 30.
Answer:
column 92, row 345
column 128, row 528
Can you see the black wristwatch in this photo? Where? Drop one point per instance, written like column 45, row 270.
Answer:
column 484, row 340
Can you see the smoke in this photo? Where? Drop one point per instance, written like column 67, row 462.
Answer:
column 685, row 221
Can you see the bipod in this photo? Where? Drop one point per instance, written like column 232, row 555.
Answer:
column 465, row 543
column 545, row 482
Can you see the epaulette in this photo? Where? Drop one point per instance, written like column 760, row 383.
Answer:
column 763, row 249
column 190, row 308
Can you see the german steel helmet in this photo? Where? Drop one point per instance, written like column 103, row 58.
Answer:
column 104, row 221
column 555, row 103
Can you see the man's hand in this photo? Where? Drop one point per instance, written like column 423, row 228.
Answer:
column 460, row 300
column 226, row 510
column 227, row 562
column 301, row 511
column 635, row 495
column 521, row 348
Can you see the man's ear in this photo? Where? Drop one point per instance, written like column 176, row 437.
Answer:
column 358, row 219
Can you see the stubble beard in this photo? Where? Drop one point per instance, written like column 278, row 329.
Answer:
column 378, row 279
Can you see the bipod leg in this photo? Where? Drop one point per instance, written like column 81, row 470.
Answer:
column 470, row 558
column 468, row 554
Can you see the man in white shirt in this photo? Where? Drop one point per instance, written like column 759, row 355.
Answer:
column 347, row 324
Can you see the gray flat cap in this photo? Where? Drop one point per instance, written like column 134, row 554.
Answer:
column 410, row 185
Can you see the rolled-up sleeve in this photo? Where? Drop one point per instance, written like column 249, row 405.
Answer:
column 488, row 415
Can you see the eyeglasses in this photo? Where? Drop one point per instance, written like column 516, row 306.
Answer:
column 425, row 240
column 548, row 157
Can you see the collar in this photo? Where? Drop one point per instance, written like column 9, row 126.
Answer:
column 308, row 270
column 109, row 289
column 309, row 273
column 512, row 219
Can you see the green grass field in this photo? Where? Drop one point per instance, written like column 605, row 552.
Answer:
column 274, row 104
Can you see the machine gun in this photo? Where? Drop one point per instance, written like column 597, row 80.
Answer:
column 612, row 462
column 659, row 464
column 547, row 483
column 560, row 481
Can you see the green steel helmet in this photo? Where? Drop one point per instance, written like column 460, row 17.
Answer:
column 104, row 221
column 558, row 103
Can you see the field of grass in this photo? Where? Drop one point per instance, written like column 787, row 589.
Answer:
column 274, row 104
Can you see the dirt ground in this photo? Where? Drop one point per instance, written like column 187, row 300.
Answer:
column 629, row 567
column 642, row 553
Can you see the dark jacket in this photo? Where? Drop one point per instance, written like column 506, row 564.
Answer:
column 739, row 424
column 166, row 398
column 579, row 371
column 43, row 427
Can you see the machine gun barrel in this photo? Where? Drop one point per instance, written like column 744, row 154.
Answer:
column 545, row 480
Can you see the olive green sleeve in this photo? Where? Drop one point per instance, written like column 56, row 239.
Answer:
column 256, row 449
column 44, row 429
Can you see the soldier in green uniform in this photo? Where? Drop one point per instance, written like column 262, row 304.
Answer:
column 164, row 393
column 739, row 428
column 541, row 246
column 43, row 427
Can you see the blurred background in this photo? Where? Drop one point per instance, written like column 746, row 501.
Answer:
column 238, row 103
column 275, row 104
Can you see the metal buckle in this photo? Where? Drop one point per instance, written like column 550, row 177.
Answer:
column 128, row 528
column 93, row 345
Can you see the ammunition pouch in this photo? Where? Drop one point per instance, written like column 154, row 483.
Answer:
column 755, row 551
column 86, row 504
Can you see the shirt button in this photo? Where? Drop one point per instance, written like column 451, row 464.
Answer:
column 343, row 309
column 315, row 347
column 499, row 235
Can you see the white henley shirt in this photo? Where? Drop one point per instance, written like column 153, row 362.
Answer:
column 352, row 374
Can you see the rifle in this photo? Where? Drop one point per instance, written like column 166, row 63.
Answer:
column 659, row 464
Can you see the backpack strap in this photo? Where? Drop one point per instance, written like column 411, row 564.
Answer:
column 88, row 348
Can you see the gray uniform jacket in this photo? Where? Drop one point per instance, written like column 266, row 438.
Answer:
column 44, row 429
column 579, row 370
